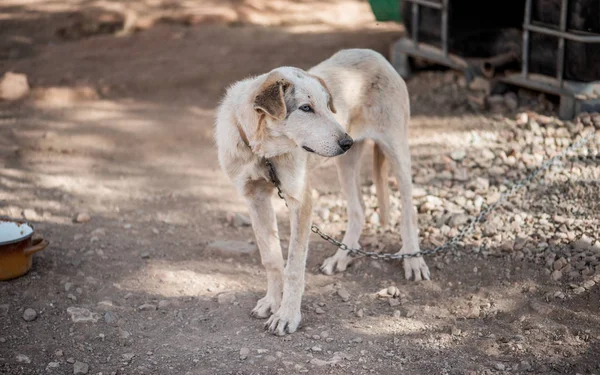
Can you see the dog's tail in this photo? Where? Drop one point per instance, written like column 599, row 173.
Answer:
column 380, row 176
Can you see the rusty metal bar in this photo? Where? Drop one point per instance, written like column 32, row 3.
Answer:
column 426, row 3
column 526, row 24
column 568, row 35
column 445, row 27
column 560, row 57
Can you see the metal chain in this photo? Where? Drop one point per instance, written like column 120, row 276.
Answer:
column 468, row 229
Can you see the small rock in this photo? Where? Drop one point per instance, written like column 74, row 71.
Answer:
column 29, row 315
column 374, row 219
column 316, row 349
column 556, row 275
column 318, row 362
column 244, row 352
column 52, row 365
column 396, row 314
column 145, row 255
column 588, row 284
column 4, row 308
column 480, row 84
column 13, row 86
column 394, row 302
column 226, row 298
column 123, row 333
column 360, row 313
column 147, row 307
column 22, row 358
column 357, row 340
column 579, row 290
column 393, row 291
column 127, row 357
column 59, row 353
column 81, row 315
column 82, row 217
column 584, row 243
column 80, row 368
column 238, row 220
column 458, row 155
column 111, row 318
column 524, row 366
column 343, row 293
column 70, row 360
column 319, row 311
column 163, row 304
column 500, row 366
column 458, row 220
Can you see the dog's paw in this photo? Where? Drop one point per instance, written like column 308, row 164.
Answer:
column 265, row 307
column 284, row 321
column 336, row 263
column 416, row 269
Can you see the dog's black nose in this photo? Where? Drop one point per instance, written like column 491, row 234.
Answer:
column 346, row 142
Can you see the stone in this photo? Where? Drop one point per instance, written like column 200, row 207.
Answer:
column 316, row 349
column 4, row 308
column 80, row 368
column 244, row 353
column 13, row 86
column 52, row 365
column 81, row 315
column 29, row 315
column 123, row 333
column 374, row 219
column 230, row 247
column 22, row 358
column 343, row 293
column 82, row 217
column 500, row 366
column 147, row 307
column 360, row 313
column 237, row 220
column 556, row 275
column 163, row 304
column 458, row 155
column 111, row 318
column 524, row 366
column 226, row 298
column 458, row 220
column 588, row 284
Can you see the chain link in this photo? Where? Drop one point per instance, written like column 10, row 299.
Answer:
column 468, row 229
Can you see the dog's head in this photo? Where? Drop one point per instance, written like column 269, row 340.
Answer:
column 296, row 110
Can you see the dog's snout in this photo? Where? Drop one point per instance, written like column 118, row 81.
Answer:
column 346, row 142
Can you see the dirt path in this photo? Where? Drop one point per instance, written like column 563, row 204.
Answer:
column 163, row 300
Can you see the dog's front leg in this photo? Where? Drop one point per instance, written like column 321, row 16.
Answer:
column 264, row 224
column 287, row 318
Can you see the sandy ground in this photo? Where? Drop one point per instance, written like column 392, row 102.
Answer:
column 125, row 134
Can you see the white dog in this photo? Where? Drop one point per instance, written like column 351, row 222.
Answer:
column 294, row 119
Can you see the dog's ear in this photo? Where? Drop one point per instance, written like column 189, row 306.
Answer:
column 270, row 96
column 329, row 97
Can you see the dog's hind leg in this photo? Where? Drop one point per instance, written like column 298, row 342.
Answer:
column 264, row 223
column 348, row 167
column 397, row 151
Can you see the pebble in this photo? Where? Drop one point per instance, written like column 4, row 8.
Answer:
column 244, row 353
column 163, row 304
column 59, row 353
column 588, row 284
column 238, row 220
column 458, row 155
column 360, row 313
column 524, row 366
column 82, row 315
column 500, row 366
column 80, row 368
column 123, row 333
column 396, row 314
column 226, row 298
column 343, row 293
column 29, row 315
column 4, row 308
column 13, row 86
column 52, row 365
column 374, row 218
column 111, row 318
column 147, row 307
column 82, row 217
column 357, row 340
column 319, row 311
column 316, row 349
column 22, row 358
column 556, row 275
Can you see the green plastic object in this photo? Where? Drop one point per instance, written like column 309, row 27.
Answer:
column 386, row 10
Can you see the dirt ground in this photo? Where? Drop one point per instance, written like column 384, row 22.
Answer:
column 119, row 125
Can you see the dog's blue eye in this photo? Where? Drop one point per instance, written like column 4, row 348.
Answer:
column 306, row 108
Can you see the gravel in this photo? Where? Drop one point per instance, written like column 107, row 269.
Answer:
column 29, row 315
